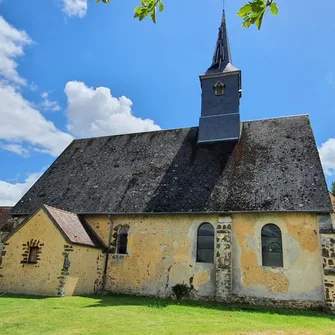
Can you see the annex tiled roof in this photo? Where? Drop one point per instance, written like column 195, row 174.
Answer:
column 71, row 226
column 275, row 166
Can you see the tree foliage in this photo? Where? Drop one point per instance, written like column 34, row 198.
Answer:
column 333, row 188
column 251, row 13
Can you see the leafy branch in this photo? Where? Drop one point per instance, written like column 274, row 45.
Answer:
column 148, row 7
column 251, row 13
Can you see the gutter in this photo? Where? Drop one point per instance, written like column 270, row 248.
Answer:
column 108, row 250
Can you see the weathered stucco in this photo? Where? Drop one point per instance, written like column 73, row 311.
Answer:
column 51, row 275
column 161, row 253
column 300, row 278
column 85, row 272
column 40, row 278
column 100, row 225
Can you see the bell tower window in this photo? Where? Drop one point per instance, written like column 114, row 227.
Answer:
column 219, row 88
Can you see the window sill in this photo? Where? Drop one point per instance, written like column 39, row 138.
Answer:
column 268, row 267
column 198, row 262
column 120, row 255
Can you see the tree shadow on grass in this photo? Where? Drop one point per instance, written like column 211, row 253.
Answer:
column 152, row 302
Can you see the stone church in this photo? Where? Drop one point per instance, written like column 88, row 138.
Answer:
column 239, row 211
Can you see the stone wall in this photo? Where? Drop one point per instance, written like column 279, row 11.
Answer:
column 61, row 268
column 300, row 277
column 223, row 258
column 20, row 277
column 161, row 253
column 328, row 257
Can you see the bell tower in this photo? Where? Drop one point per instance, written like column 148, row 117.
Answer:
column 221, row 93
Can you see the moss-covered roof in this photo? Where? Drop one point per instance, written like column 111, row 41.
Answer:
column 275, row 166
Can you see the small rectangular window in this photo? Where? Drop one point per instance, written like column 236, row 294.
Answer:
column 122, row 241
column 33, row 252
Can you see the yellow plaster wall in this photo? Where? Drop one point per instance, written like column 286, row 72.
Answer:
column 301, row 275
column 86, row 270
column 161, row 253
column 100, row 225
column 40, row 278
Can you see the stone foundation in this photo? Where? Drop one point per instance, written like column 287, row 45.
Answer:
column 266, row 302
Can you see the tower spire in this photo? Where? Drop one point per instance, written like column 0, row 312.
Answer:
column 221, row 93
column 222, row 61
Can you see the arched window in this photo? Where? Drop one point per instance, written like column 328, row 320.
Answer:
column 122, row 241
column 272, row 248
column 205, row 243
column 219, row 88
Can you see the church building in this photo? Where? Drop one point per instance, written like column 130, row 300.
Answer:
column 239, row 211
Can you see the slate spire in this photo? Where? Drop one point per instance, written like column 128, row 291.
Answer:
column 221, row 93
column 222, row 55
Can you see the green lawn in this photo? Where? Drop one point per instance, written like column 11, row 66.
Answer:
column 135, row 315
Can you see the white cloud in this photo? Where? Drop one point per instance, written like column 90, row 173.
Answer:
column 33, row 87
column 10, row 193
column 11, row 46
column 49, row 105
column 74, row 7
column 21, row 123
column 327, row 156
column 95, row 112
column 16, row 148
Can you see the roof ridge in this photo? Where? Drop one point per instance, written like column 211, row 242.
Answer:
column 182, row 128
column 139, row 132
column 276, row 117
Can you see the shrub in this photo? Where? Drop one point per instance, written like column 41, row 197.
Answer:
column 181, row 291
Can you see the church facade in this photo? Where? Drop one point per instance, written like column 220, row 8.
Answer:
column 239, row 211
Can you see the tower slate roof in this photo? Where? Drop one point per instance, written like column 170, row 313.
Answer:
column 274, row 166
column 222, row 61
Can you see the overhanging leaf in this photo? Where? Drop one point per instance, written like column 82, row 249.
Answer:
column 274, row 9
column 161, row 6
column 245, row 10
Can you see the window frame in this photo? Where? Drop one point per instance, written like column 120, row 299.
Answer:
column 33, row 255
column 211, row 250
column 219, row 86
column 276, row 240
column 123, row 231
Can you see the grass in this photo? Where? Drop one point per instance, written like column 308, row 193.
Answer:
column 139, row 315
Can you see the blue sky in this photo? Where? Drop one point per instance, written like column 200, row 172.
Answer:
column 61, row 61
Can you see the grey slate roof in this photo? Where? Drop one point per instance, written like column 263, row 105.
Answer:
column 274, row 167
